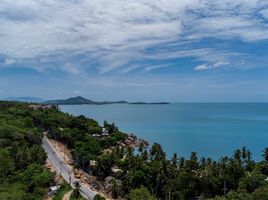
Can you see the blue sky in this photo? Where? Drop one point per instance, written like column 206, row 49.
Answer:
column 135, row 50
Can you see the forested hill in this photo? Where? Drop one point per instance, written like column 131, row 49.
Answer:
column 144, row 174
column 22, row 159
column 81, row 100
column 22, row 175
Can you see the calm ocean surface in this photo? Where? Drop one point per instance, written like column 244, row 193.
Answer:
column 211, row 129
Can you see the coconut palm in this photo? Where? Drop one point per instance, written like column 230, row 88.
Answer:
column 244, row 153
column 114, row 188
column 265, row 154
column 77, row 187
column 248, row 161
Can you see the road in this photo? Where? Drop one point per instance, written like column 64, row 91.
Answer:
column 65, row 170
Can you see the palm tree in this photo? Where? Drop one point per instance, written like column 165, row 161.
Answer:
column 114, row 188
column 194, row 156
column 237, row 156
column 77, row 186
column 157, row 152
column 244, row 152
column 144, row 155
column 162, row 175
column 249, row 162
column 265, row 154
column 174, row 159
column 181, row 162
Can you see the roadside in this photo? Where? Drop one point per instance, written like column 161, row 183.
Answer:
column 85, row 179
column 60, row 160
column 64, row 169
column 67, row 195
column 65, row 188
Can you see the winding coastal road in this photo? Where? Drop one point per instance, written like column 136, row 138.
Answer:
column 64, row 169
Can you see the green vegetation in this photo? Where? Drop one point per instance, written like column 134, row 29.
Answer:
column 81, row 100
column 146, row 174
column 79, row 197
column 64, row 188
column 141, row 194
column 99, row 197
column 22, row 175
column 22, row 158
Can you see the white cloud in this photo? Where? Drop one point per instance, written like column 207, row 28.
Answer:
column 9, row 61
column 78, row 92
column 264, row 13
column 70, row 68
column 220, row 64
column 113, row 33
column 154, row 67
column 203, row 67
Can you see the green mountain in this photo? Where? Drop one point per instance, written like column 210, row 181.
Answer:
column 79, row 101
column 71, row 101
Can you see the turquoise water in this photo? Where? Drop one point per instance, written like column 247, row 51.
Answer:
column 210, row 129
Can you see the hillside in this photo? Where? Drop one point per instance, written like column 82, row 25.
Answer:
column 81, row 100
column 25, row 99
column 71, row 101
column 106, row 153
column 22, row 175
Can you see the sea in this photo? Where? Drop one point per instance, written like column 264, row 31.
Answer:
column 210, row 129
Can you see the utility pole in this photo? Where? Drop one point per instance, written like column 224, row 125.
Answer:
column 224, row 189
column 64, row 152
column 169, row 195
column 70, row 178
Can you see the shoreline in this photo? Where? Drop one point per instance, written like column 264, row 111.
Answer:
column 183, row 132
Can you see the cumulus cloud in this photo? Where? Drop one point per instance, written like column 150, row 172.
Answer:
column 203, row 67
column 264, row 13
column 9, row 61
column 70, row 68
column 113, row 33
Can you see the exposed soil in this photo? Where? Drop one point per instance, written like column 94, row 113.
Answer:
column 62, row 151
column 67, row 195
column 85, row 179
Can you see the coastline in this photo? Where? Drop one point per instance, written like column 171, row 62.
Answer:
column 185, row 128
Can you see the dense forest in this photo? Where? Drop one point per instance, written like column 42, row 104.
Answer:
column 145, row 173
column 22, row 175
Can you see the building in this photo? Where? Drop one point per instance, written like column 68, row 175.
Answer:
column 53, row 190
column 93, row 163
column 41, row 107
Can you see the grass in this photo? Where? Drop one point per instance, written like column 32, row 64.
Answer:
column 79, row 198
column 62, row 191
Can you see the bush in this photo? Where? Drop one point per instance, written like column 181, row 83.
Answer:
column 99, row 197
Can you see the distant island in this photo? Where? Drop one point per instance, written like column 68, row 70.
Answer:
column 76, row 101
column 81, row 101
column 153, row 103
column 25, row 99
